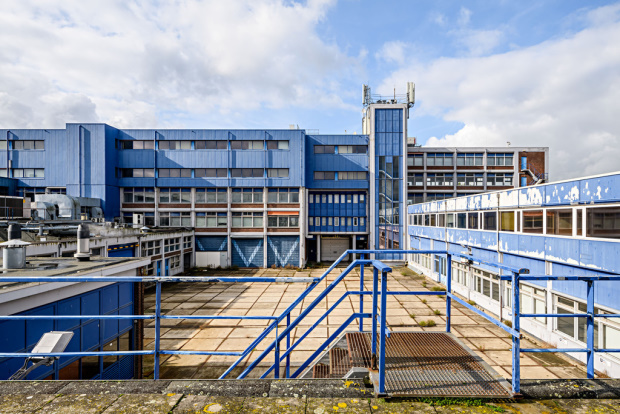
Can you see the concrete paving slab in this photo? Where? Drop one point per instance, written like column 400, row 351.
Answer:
column 200, row 404
column 381, row 406
column 319, row 388
column 31, row 387
column 23, row 404
column 230, row 388
column 275, row 405
column 114, row 387
column 144, row 403
column 340, row 405
column 80, row 403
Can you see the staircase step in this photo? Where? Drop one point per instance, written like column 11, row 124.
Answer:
column 359, row 349
column 320, row 371
column 339, row 362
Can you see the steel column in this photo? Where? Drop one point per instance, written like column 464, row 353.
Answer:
column 590, row 329
column 157, row 330
column 516, row 341
column 375, row 289
column 276, row 351
column 383, row 332
column 288, row 346
column 449, row 288
column 362, row 257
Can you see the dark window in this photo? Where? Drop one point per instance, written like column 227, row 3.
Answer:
column 489, row 220
column 211, row 145
column 461, row 220
column 533, row 221
column 507, row 221
column 560, row 222
column 472, row 219
column 603, row 222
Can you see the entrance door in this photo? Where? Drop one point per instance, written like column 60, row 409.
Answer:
column 332, row 248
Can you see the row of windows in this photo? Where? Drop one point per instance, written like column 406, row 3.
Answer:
column 336, row 221
column 336, row 198
column 533, row 300
column 23, row 144
column 599, row 221
column 203, row 173
column 340, row 175
column 24, row 172
column 210, row 195
column 202, row 145
column 434, row 159
column 341, row 149
column 462, row 179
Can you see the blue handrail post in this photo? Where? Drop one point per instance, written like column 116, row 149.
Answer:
column 383, row 332
column 276, row 351
column 449, row 288
column 516, row 340
column 362, row 257
column 288, row 346
column 590, row 329
column 375, row 288
column 157, row 330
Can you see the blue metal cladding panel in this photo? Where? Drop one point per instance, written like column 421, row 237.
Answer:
column 247, row 252
column 282, row 251
column 211, row 243
column 122, row 250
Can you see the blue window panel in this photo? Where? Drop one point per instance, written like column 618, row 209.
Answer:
column 109, row 328
column 211, row 243
column 125, row 294
column 124, row 324
column 109, row 298
column 74, row 346
column 247, row 252
column 69, row 306
column 90, row 335
column 126, row 367
column 90, row 303
column 282, row 251
column 36, row 328
column 16, row 340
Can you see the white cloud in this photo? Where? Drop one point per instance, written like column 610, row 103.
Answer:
column 127, row 62
column 392, row 52
column 562, row 93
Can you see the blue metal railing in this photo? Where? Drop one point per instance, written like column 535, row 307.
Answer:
column 378, row 315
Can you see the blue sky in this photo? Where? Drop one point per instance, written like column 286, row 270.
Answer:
column 533, row 73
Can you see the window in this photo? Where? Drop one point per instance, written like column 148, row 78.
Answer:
column 174, row 172
column 175, row 195
column 603, row 222
column 277, row 145
column 352, row 149
column 247, row 195
column 136, row 144
column 3, row 144
column 28, row 145
column 150, row 248
column 283, row 195
column 172, row 245
column 352, row 175
column 311, row 221
column 533, row 300
column 533, row 221
column 461, row 220
column 576, row 328
column 473, row 159
column 28, row 173
column 450, row 220
column 501, row 179
column 247, row 145
column 211, row 219
column 211, row 173
column 336, row 221
column 415, row 160
column 187, row 242
column 175, row 262
column 472, row 220
column 499, row 159
column 247, row 219
column 136, row 173
column 489, row 220
column 138, row 195
column 211, row 145
column 560, row 222
column 324, row 149
column 486, row 283
column 439, row 160
column 438, row 196
column 247, row 173
column 211, row 195
column 174, row 145
column 324, row 175
column 415, row 198
column 283, row 221
column 441, row 179
column 277, row 172
column 175, row 219
column 414, row 179
column 470, row 179
column 507, row 222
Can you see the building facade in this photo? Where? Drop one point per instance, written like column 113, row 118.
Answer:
column 441, row 173
column 563, row 228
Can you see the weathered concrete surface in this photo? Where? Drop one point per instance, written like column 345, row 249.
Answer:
column 144, row 403
column 227, row 388
column 319, row 388
column 21, row 403
column 82, row 403
column 577, row 388
column 114, row 387
column 275, row 405
column 31, row 387
column 340, row 405
column 195, row 404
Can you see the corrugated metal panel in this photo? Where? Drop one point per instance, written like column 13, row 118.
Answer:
column 247, row 252
column 211, row 243
column 282, row 251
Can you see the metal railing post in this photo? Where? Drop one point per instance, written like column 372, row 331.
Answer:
column 288, row 346
column 590, row 329
column 276, row 351
column 362, row 257
column 375, row 288
column 449, row 289
column 516, row 340
column 383, row 332
column 157, row 330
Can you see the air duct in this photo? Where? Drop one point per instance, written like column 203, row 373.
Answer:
column 14, row 252
column 83, row 243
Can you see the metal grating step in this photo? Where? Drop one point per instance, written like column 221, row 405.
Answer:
column 359, row 349
column 432, row 364
column 320, row 371
column 339, row 362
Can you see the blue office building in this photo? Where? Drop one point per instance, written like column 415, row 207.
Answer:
column 564, row 228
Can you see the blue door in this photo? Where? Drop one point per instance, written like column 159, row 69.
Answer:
column 282, row 251
column 167, row 269
column 247, row 252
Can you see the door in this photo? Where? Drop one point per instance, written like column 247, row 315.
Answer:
column 332, row 248
column 282, row 251
column 247, row 252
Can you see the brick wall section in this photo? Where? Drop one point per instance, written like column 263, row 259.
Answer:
column 534, row 159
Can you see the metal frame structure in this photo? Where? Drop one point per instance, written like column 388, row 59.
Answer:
column 378, row 315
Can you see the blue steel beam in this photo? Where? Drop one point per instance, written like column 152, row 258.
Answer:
column 72, row 354
column 557, row 277
column 273, row 318
column 494, row 321
column 34, row 317
column 161, row 279
column 173, row 352
column 537, row 350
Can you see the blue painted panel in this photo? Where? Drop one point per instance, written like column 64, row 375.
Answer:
column 125, row 294
column 90, row 335
column 247, row 252
column 36, row 328
column 109, row 298
column 69, row 306
column 282, row 251
column 211, row 243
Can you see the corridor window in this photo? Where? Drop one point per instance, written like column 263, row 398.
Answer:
column 352, row 149
column 247, row 195
column 324, row 175
column 174, row 145
column 28, row 173
column 138, row 195
column 533, row 221
column 469, row 159
column 603, row 222
column 324, row 149
column 439, row 160
column 211, row 219
column 175, row 219
column 507, row 222
column 283, row 221
column 211, row 195
column 277, row 145
column 560, row 222
column 489, row 221
column 211, row 145
column 247, row 173
column 175, row 195
column 136, row 144
column 247, row 219
column 247, row 145
column 499, row 159
column 28, row 145
column 136, row 173
column 352, row 175
column 277, row 172
column 283, row 195
column 174, row 173
column 210, row 173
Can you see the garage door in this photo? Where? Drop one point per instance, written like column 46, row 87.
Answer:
column 331, row 249
column 282, row 251
column 247, row 252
